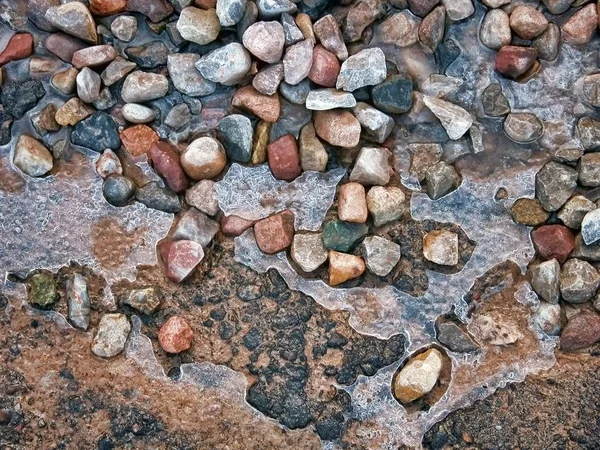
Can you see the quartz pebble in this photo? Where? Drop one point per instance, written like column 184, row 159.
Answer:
column 553, row 241
column 270, row 9
column 146, row 300
column 124, row 28
column 365, row 68
column 75, row 19
column 181, row 258
column 235, row 132
column 579, row 281
column 275, row 233
column 226, row 65
column 265, row 40
column 313, row 155
column 108, row 164
column 329, row 34
column 352, row 203
column 338, row 127
column 284, row 159
column 203, row 197
column 134, row 113
column 441, row 247
column 175, row 336
column 455, row 120
column 32, row 157
column 418, row 376
column 78, row 301
column 324, row 99
column 380, row 254
column 545, row 280
column 111, row 336
column 198, row 25
column 195, row 226
column 140, row 87
column 308, row 251
column 372, row 167
column 344, row 267
column 204, row 158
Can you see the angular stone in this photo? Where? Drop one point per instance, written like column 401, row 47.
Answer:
column 195, row 226
column 88, row 85
column 553, row 241
column 362, row 14
column 329, row 34
column 78, row 301
column 313, row 155
column 372, row 167
column 455, row 120
column 419, row 376
column 72, row 112
column 548, row 318
column 386, row 204
column 324, row 99
column 586, row 252
column 453, row 337
column 275, row 233
column 118, row 190
column 589, row 133
column 352, row 203
column 112, row 334
column 527, row 22
column 265, row 40
column 65, row 82
column 582, row 331
column 260, row 142
column 150, row 55
column 495, row 29
column 494, row 102
column 581, row 26
column 124, row 28
column 267, row 81
column 589, row 169
column 325, row 67
column 304, row 22
column 380, row 254
column 226, row 65
column 590, row 227
column 343, row 236
column 441, row 179
column 97, row 133
column 181, row 258
column 42, row 290
column 376, row 125
column 204, row 158
column 545, row 280
column 19, row 46
column 75, row 19
column 134, row 113
column 365, row 68
column 290, row 30
column 394, row 95
column 138, row 139
column 140, row 87
column 523, row 128
column 155, row 10
column 155, row 196
column 203, row 197
column 235, row 132
column 265, row 107
column 513, row 61
column 579, row 281
column 573, row 212
column 297, row 61
column 308, row 251
column 175, row 336
column 146, row 300
column 45, row 121
column 19, row 97
column 441, row 247
column 270, row 9
column 344, row 267
column 95, row 56
column 548, row 43
column 554, row 185
column 117, row 70
column 529, row 212
column 230, row 12
column 36, row 12
column 235, row 225
column 32, row 157
column 494, row 329
column 401, row 29
column 338, row 127
column 108, row 164
column 295, row 94
column 165, row 161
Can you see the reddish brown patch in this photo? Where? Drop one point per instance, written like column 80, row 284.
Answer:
column 138, row 139
column 275, row 233
column 19, row 46
column 175, row 335
column 165, row 160
column 284, row 159
column 553, row 241
column 325, row 67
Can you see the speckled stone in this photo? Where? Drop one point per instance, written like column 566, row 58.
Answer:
column 111, row 336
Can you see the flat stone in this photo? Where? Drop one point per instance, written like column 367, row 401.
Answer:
column 65, row 82
column 155, row 196
column 95, row 56
column 545, row 280
column 108, row 164
column 529, row 212
column 553, row 241
column 548, row 318
column 588, row 168
column 124, row 28
column 42, row 290
column 118, row 190
column 235, row 225
column 432, row 28
column 386, row 204
column 338, row 127
column 380, row 254
column 284, row 159
column 573, row 212
column 88, row 85
column 419, row 376
column 455, row 120
column 579, row 281
column 19, row 46
column 527, row 22
column 72, row 112
column 324, row 99
column 148, row 56
column 267, row 81
column 581, row 26
column 145, row 300
column 308, row 251
column 116, row 70
column 325, row 67
column 75, row 19
column 344, row 267
column 554, row 185
column 198, row 25
column 195, row 226
column 64, row 46
column 203, row 197
column 265, row 107
column 365, row 68
column 45, row 120
column 313, row 155
column 352, row 203
column 400, row 29
column 548, row 43
column 494, row 329
column 297, row 61
column 204, row 158
column 175, row 336
column 513, row 61
column 155, row 10
column 523, row 128
column 32, row 157
column 271, row 9
column 134, row 113
column 78, row 301
column 226, row 65
column 441, row 247
column 165, row 160
column 441, row 179
column 330, row 36
column 343, row 236
column 140, row 87
column 290, row 30
column 376, row 125
column 275, row 233
column 265, row 40
column 235, row 132
column 111, row 336
column 581, row 331
column 230, row 12
column 494, row 102
column 590, row 227
column 372, row 167
column 453, row 337
column 495, row 31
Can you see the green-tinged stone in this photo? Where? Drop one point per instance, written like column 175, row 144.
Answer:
column 43, row 290
column 343, row 236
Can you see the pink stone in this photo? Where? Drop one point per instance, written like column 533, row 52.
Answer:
column 181, row 258
column 175, row 335
column 165, row 160
column 107, row 7
column 325, row 67
column 235, row 225
column 580, row 28
column 514, row 61
column 155, row 10
column 275, row 233
column 284, row 159
column 19, row 46
column 95, row 56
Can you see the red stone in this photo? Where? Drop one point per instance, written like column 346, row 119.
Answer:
column 181, row 258
column 275, row 233
column 513, row 61
column 175, row 335
column 553, row 241
column 165, row 160
column 235, row 225
column 64, row 46
column 138, row 139
column 582, row 330
column 95, row 56
column 107, row 7
column 325, row 67
column 19, row 46
column 284, row 159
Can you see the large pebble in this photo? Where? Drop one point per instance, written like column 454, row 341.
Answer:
column 204, row 158
column 284, row 159
column 308, row 251
column 36, row 12
column 590, row 227
column 75, row 19
column 441, row 179
column 313, row 155
column 513, row 61
column 195, row 226
column 527, row 22
column 88, row 85
column 495, row 104
column 118, row 190
column 111, row 336
column 108, row 164
column 203, row 197
column 235, row 132
column 198, row 25
column 529, row 211
column 573, row 212
column 365, row 68
column 148, row 56
column 134, row 113
column 344, row 267
column 579, row 281
column 116, row 70
column 554, row 185
column 453, row 337
column 581, row 26
column 330, row 36
column 458, row 9
column 124, row 28
column 385, row 204
column 72, row 112
column 226, row 65
column 372, row 167
column 419, row 376
column 271, row 9
column 140, row 87
column 343, row 236
column 155, row 10
column 19, row 46
column 553, row 242
column 267, row 81
column 32, row 157
column 431, row 31
column 381, row 255
column 155, row 196
column 146, row 300
column 548, row 43
column 360, row 16
column 275, row 233
column 265, row 40
column 548, row 318
column 165, row 161
column 589, row 170
column 338, row 127
column 95, row 56
column 495, row 29
column 523, row 128
column 290, row 30
column 138, row 139
column 545, row 280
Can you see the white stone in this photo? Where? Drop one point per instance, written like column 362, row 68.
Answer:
column 111, row 335
column 455, row 120
column 324, row 99
column 308, row 251
column 380, row 254
column 134, row 113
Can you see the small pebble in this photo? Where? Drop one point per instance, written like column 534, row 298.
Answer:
column 284, row 159
column 385, row 204
column 308, row 251
column 134, row 113
column 226, row 65
column 419, row 376
column 111, row 336
column 203, row 197
column 195, row 226
column 198, row 25
column 365, row 68
column 380, row 254
column 181, row 258
column 78, row 301
column 108, row 164
column 118, row 190
column 344, row 267
column 146, row 300
column 175, row 336
column 275, row 233
column 441, row 247
column 32, row 157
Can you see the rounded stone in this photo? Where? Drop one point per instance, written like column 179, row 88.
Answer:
column 204, row 158
column 226, row 65
column 134, row 113
column 265, row 40
column 32, row 157
column 175, row 336
column 118, row 190
column 523, row 128
column 495, row 29
column 529, row 212
column 527, row 22
column 198, row 25
column 344, row 267
column 338, row 127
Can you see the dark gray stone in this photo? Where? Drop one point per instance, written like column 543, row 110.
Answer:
column 150, row 55
column 157, row 197
column 494, row 102
column 235, row 133
column 394, row 95
column 455, row 339
column 118, row 190
column 98, row 132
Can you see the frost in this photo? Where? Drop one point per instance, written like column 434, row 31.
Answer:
column 253, row 193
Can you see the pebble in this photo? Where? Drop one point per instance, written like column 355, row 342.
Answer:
column 441, row 179
column 422, row 7
column 197, row 227
column 204, row 158
column 186, row 78
column 589, row 133
column 226, row 65
column 581, row 331
column 32, row 157
column 440, row 86
column 140, row 87
column 557, row 6
column 203, row 197
column 432, row 28
column 78, row 301
column 98, row 132
column 124, row 28
column 108, row 164
column 111, row 336
column 441, row 247
column 325, row 67
column 324, row 99
column 523, row 128
column 271, row 9
column 455, row 120
column 64, row 46
column 380, row 254
column 275, row 233
column 265, row 107
column 548, row 318
column 107, row 7
column 330, row 36
column 419, row 376
column 545, row 280
column 265, row 40
column 394, row 95
column 198, row 25
column 134, row 113
column 365, row 68
column 284, row 159
column 591, row 89
column 118, row 190
column 230, row 12
column 290, row 30
column 42, row 290
column 19, row 46
column 75, row 19
column 235, row 225
column 313, row 155
column 297, row 61
column 494, row 102
column 344, row 267
column 586, row 252
column 72, row 112
column 495, row 29
column 179, row 117
column 554, row 185
column 116, row 70
column 295, row 94
column 235, row 132
column 386, row 204
column 45, row 120
column 453, row 337
column 579, row 281
column 513, row 61
column 553, row 241
column 529, row 212
column 343, row 236
column 155, row 10
column 581, row 26
column 88, row 85
column 267, row 81
column 181, row 258
column 165, row 160
column 65, row 82
column 352, row 203
column 308, row 251
column 338, row 127
column 573, row 212
column 360, row 16
column 304, row 22
column 150, row 55
column 155, row 196
column 548, row 43
column 372, row 167
column 138, row 139
column 527, row 22
column 175, row 336
column 260, row 141
column 589, row 170
column 376, row 125
column 590, row 227
column 95, row 56
column 458, row 9
column 146, row 300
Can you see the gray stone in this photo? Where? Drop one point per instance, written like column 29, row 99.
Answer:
column 548, row 43
column 589, row 133
column 554, row 185
column 591, row 89
column 117, row 70
column 402, row 29
column 570, row 151
column 230, row 12
column 523, row 128
column 198, row 25
column 440, row 86
column 134, row 113
column 441, row 179
column 494, row 102
column 195, row 226
column 394, row 95
column 329, row 34
column 365, row 68
column 267, row 81
column 297, row 61
column 105, row 100
column 124, row 28
column 179, row 117
column 495, row 29
column 265, row 40
column 458, row 9
column 249, row 17
column 226, row 65
column 372, row 167
column 545, row 280
column 203, row 197
column 271, row 9
column 118, row 190
column 146, row 300
column 589, row 170
column 235, row 133
column 573, row 212
column 140, row 87
column 88, row 85
column 441, row 247
column 111, row 336
column 548, row 318
column 385, row 204
column 185, row 76
column 455, row 120
column 75, row 19
column 590, row 227
column 453, row 337
column 78, row 301
column 579, row 281
column 155, row 196
column 586, row 252
column 308, row 251
column 290, row 30
column 324, row 99
column 376, row 125
column 380, row 254
column 32, row 157
column 296, row 94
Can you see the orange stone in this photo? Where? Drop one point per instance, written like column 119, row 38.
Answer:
column 19, row 46
column 107, row 7
column 338, row 127
column 275, row 233
column 175, row 335
column 138, row 139
column 265, row 107
column 344, row 267
column 352, row 203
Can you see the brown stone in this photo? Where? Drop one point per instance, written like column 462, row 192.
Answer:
column 165, row 160
column 580, row 28
column 65, row 82
column 527, row 22
column 204, row 158
column 338, row 127
column 260, row 142
column 344, row 267
column 64, row 46
column 235, row 225
column 265, row 107
column 553, row 241
column 284, row 159
column 206, row 4
column 305, row 24
column 95, row 56
column 275, row 233
column 431, row 30
column 155, row 10
column 529, row 211
column 107, row 7
column 138, row 139
column 582, row 331
column 175, row 335
column 513, row 61
column 19, row 46
column 72, row 112
column 352, row 203
column 325, row 67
